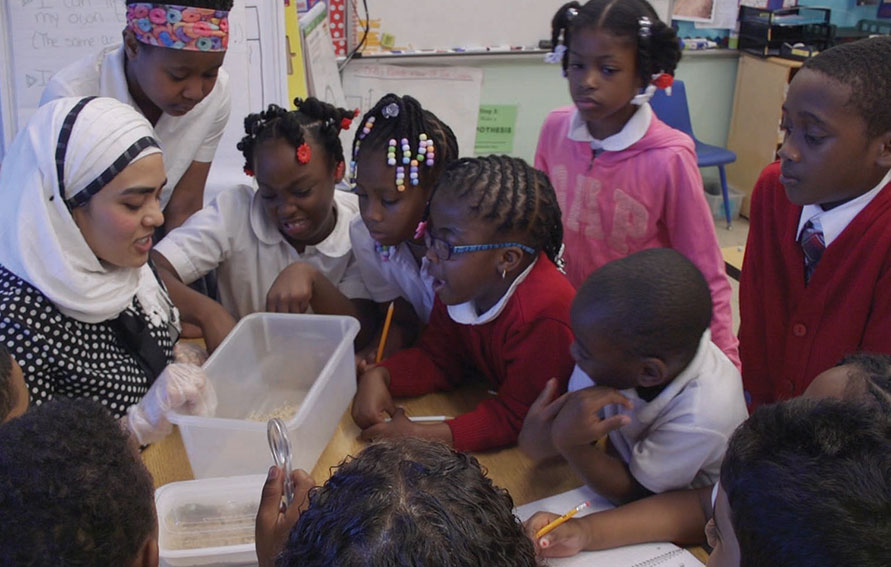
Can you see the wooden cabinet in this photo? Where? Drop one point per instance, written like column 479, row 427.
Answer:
column 755, row 135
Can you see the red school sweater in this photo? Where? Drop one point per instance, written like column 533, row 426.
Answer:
column 517, row 352
column 790, row 332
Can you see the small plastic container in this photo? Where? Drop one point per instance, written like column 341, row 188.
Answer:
column 208, row 522
column 716, row 201
column 300, row 368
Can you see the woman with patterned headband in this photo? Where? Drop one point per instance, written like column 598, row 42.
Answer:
column 168, row 68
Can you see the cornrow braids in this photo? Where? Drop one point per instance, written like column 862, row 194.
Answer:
column 396, row 122
column 321, row 121
column 658, row 47
column 511, row 194
column 209, row 4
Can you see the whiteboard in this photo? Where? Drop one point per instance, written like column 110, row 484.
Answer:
column 467, row 24
column 39, row 37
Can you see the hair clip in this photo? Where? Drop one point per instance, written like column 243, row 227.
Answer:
column 304, row 153
column 555, row 56
column 658, row 81
column 345, row 123
column 421, row 229
column 391, row 110
column 571, row 13
column 645, row 30
column 248, row 171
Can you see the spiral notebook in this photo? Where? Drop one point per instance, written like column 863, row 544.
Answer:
column 642, row 555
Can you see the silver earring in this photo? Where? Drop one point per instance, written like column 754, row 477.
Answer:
column 504, row 273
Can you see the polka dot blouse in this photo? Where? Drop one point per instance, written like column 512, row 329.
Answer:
column 61, row 356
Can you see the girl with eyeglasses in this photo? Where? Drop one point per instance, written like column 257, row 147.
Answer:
column 501, row 312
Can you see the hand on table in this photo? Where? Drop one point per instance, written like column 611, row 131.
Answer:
column 373, row 402
column 274, row 523
column 563, row 541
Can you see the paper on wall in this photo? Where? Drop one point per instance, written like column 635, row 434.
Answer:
column 452, row 93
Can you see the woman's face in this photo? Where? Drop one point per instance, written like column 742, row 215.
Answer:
column 119, row 221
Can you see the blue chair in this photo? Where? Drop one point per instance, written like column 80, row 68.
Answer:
column 673, row 110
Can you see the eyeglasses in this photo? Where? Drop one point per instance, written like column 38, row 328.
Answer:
column 445, row 251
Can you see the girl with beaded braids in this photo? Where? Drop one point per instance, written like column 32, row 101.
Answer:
column 625, row 180
column 283, row 247
column 169, row 68
column 501, row 312
column 399, row 152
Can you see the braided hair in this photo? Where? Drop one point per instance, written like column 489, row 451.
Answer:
column 512, row 195
column 658, row 48
column 320, row 121
column 396, row 117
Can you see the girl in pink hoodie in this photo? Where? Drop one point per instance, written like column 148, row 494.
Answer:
column 624, row 179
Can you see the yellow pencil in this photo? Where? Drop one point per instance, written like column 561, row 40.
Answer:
column 553, row 525
column 387, row 321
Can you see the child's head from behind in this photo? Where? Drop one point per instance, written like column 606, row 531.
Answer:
column 409, row 502
column 74, row 488
column 297, row 158
column 391, row 209
column 502, row 203
column 837, row 124
column 614, row 47
column 638, row 320
column 13, row 391
column 805, row 483
column 861, row 376
column 170, row 67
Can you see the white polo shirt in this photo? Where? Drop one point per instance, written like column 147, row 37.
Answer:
column 678, row 440
column 193, row 136
column 235, row 235
column 398, row 276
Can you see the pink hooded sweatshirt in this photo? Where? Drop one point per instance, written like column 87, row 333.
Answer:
column 648, row 195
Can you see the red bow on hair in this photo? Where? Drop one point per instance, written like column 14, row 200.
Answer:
column 345, row 123
column 304, row 153
column 248, row 171
column 663, row 81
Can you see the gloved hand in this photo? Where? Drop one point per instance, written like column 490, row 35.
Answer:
column 182, row 387
column 188, row 352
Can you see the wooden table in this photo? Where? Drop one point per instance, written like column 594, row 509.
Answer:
column 508, row 468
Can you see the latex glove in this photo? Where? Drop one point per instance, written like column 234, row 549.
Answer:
column 190, row 353
column 182, row 387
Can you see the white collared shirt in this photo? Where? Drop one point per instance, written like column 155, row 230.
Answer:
column 193, row 136
column 398, row 276
column 631, row 132
column 465, row 313
column 234, row 234
column 678, row 439
column 834, row 221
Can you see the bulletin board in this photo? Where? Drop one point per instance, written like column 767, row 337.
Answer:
column 464, row 24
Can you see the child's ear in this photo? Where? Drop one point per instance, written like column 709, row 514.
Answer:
column 653, row 372
column 883, row 160
column 148, row 555
column 131, row 44
column 510, row 260
column 339, row 170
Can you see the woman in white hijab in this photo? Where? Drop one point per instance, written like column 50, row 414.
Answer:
column 82, row 311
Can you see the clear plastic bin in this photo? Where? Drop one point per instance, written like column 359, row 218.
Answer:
column 297, row 367
column 208, row 522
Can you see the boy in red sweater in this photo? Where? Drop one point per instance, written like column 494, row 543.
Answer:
column 816, row 281
column 501, row 311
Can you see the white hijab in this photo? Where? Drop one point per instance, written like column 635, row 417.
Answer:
column 39, row 241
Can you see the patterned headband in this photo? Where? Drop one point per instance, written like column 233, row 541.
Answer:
column 179, row 27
